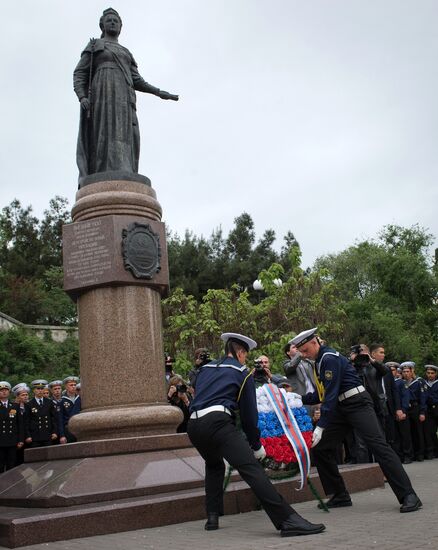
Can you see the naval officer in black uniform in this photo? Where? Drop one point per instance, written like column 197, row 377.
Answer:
column 40, row 418
column 11, row 429
column 223, row 388
column 431, row 423
column 345, row 405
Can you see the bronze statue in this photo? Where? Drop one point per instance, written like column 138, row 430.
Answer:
column 105, row 81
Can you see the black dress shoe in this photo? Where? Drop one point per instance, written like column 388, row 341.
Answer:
column 407, row 461
column 341, row 500
column 295, row 526
column 212, row 522
column 420, row 458
column 411, row 503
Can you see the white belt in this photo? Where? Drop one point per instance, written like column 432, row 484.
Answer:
column 214, row 408
column 350, row 393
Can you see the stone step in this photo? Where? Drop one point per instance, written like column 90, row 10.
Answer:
column 21, row 526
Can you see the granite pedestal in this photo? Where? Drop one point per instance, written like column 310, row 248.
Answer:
column 115, row 266
column 108, row 486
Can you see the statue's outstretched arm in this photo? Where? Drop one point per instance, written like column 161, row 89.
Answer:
column 142, row 86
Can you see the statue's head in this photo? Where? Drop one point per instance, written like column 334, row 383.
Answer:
column 108, row 16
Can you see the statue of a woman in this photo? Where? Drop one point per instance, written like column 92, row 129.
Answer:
column 105, row 81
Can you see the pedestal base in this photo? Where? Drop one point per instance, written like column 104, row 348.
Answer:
column 125, row 421
column 114, row 175
column 110, row 486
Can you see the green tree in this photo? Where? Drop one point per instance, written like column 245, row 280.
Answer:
column 301, row 301
column 20, row 245
column 56, row 306
column 197, row 264
column 31, row 276
column 24, row 357
column 191, row 264
column 50, row 231
column 290, row 254
column 388, row 289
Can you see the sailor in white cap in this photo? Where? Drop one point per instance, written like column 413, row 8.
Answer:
column 431, row 424
column 430, row 369
column 223, row 388
column 416, row 413
column 21, row 392
column 40, row 420
column 20, row 388
column 11, row 429
column 346, row 405
column 70, row 405
column 70, row 383
column 55, row 388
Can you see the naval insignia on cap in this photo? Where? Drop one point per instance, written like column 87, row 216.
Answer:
column 40, row 383
column 4, row 384
column 303, row 337
column 247, row 343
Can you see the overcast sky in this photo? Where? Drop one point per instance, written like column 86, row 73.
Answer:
column 319, row 117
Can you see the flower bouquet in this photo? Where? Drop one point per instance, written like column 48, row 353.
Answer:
column 285, row 432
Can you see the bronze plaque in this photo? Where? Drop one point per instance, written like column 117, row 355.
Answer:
column 141, row 250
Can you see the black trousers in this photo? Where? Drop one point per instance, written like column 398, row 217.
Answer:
column 417, row 432
column 430, row 432
column 357, row 412
column 363, row 453
column 391, row 430
column 406, row 449
column 216, row 437
column 8, row 458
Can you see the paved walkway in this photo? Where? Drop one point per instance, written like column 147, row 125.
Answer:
column 374, row 521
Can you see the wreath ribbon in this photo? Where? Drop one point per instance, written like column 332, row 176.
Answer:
column 291, row 429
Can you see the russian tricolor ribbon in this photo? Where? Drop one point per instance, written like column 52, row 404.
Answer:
column 291, row 429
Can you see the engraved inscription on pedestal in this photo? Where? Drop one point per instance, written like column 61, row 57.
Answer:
column 141, row 250
column 97, row 253
column 90, row 258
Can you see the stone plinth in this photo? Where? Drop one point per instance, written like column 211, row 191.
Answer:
column 96, row 492
column 120, row 324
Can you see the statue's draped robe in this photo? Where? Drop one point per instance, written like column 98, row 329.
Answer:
column 109, row 138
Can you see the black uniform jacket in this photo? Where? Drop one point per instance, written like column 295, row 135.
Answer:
column 229, row 384
column 40, row 421
column 11, row 425
column 337, row 375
